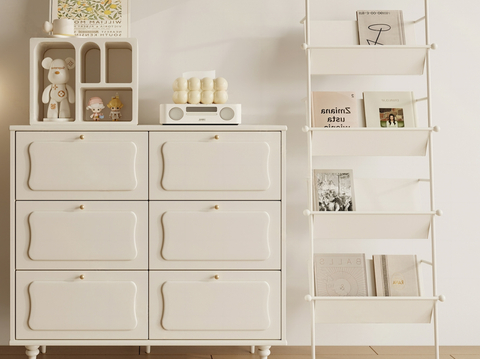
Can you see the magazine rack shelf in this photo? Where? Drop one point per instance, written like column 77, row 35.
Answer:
column 367, row 141
column 104, row 67
column 341, row 54
column 385, row 209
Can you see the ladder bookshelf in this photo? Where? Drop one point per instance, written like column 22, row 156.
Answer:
column 384, row 219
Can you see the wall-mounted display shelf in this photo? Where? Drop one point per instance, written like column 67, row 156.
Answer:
column 341, row 54
column 104, row 68
column 384, row 209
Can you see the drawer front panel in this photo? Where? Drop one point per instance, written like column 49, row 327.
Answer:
column 64, row 165
column 61, row 305
column 195, row 305
column 194, row 235
column 197, row 165
column 62, row 235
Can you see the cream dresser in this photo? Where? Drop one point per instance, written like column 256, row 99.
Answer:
column 147, row 235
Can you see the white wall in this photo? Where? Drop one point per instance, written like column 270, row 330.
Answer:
column 255, row 44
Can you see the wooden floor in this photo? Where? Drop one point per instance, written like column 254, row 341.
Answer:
column 288, row 352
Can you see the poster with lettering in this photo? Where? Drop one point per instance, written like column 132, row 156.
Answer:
column 334, row 109
column 94, row 18
column 340, row 275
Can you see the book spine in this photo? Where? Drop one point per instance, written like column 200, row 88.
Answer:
column 385, row 276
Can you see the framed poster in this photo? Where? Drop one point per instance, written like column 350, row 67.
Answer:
column 94, row 18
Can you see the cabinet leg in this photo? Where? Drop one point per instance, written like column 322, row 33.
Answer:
column 252, row 349
column 264, row 351
column 32, row 351
column 43, row 349
column 147, row 349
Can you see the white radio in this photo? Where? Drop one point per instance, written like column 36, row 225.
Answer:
column 188, row 114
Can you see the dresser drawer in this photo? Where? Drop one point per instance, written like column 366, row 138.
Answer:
column 215, row 235
column 215, row 165
column 81, row 165
column 61, row 305
column 62, row 235
column 196, row 305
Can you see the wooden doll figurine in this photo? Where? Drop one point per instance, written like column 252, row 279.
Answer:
column 58, row 94
column 115, row 105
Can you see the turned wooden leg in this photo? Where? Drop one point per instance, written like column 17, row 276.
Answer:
column 264, row 351
column 43, row 349
column 32, row 351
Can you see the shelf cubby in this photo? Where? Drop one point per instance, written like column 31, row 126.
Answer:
column 103, row 68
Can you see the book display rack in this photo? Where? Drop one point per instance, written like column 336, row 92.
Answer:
column 385, row 208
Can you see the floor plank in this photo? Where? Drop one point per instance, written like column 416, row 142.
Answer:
column 335, row 350
column 230, row 350
column 421, row 350
column 466, row 356
column 93, row 350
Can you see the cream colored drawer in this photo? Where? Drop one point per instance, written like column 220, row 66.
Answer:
column 215, row 165
column 196, row 305
column 61, row 305
column 215, row 235
column 81, row 165
column 62, row 235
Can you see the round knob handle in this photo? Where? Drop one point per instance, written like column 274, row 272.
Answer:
column 82, row 137
column 217, row 137
column 82, row 276
column 217, row 276
column 217, row 206
column 82, row 206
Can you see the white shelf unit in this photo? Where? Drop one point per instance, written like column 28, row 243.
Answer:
column 386, row 210
column 104, row 67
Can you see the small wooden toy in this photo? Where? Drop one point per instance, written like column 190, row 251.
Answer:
column 58, row 94
column 115, row 105
column 96, row 105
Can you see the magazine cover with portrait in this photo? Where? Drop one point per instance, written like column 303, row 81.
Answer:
column 333, row 190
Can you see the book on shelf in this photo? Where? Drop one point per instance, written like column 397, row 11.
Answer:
column 333, row 190
column 339, row 274
column 380, row 27
column 334, row 109
column 390, row 109
column 396, row 275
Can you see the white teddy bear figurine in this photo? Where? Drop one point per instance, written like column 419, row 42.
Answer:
column 58, row 94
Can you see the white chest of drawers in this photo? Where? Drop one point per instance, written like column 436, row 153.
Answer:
column 148, row 235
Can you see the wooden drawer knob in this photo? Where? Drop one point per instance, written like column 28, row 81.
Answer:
column 217, row 277
column 82, row 137
column 82, row 206
column 217, row 137
column 217, row 206
column 82, row 276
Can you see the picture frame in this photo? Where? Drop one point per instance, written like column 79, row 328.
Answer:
column 94, row 18
column 333, row 190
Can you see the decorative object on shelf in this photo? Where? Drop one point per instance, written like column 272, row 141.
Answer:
column 380, row 27
column 195, row 91
column 340, row 274
column 94, row 18
column 390, row 109
column 334, row 109
column 95, row 104
column 115, row 105
column 333, row 190
column 59, row 27
column 185, row 114
column 58, row 94
column 396, row 275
